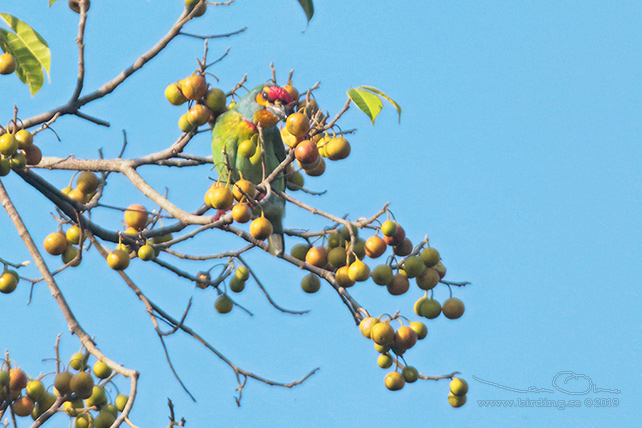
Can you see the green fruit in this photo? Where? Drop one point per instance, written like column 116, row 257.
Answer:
column 84, row 420
column 410, row 374
column 295, row 181
column 389, row 228
column 82, row 384
column 456, row 401
column 335, row 240
column 121, row 402
column 223, row 304
column 5, row 166
column 414, row 266
column 101, row 370
column 215, row 100
column 337, row 257
column 98, row 398
column 184, row 124
column 62, row 383
column 76, row 361
column 5, row 379
column 419, row 328
column 430, row 309
column 345, row 232
column 428, row 279
column 299, row 251
column 458, row 387
column 18, row 161
column 247, row 148
column 394, row 381
column 384, row 361
column 453, row 308
column 69, row 256
column 104, row 419
column 236, row 284
column 382, row 275
column 359, row 248
column 36, row 390
column 110, row 408
column 43, row 405
column 310, row 283
column 430, row 257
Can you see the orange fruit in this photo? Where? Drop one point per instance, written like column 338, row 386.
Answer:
column 241, row 213
column 136, row 217
column 194, row 87
column 260, row 228
column 56, row 243
column 394, row 381
column 375, row 247
column 317, row 256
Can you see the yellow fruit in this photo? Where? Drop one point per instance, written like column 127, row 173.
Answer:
column 215, row 100
column 342, row 277
column 118, row 259
column 382, row 333
column 389, row 228
column 375, row 247
column 292, row 91
column 458, row 387
column 194, row 87
column 247, row 148
column 198, row 115
column 385, row 361
column 359, row 271
column 76, row 360
column 453, row 308
column 174, row 95
column 394, row 381
column 87, row 182
column 101, row 370
column 241, row 213
column 456, row 401
column 8, row 144
column 24, row 139
column 289, row 139
column 297, row 124
column 222, row 198
column 56, row 243
column 366, row 325
column 260, row 228
column 243, row 187
column 317, row 256
column 405, row 338
column 184, row 124
column 73, row 234
column 98, row 398
column 136, row 217
column 146, row 252
column 7, row 63
column 419, row 328
column 337, row 148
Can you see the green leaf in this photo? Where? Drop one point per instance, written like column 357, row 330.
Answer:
column 52, row 2
column 308, row 8
column 28, row 68
column 30, row 39
column 369, row 103
column 390, row 100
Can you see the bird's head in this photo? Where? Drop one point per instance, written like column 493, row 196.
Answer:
column 271, row 104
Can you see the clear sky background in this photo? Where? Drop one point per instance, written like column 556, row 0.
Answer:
column 518, row 153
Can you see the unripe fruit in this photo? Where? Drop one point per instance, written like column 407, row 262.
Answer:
column 121, row 401
column 84, row 420
column 430, row 257
column 247, row 148
column 342, row 276
column 456, row 401
column 24, row 139
column 359, row 271
column 310, row 283
column 104, row 419
column 382, row 333
column 404, row 248
column 260, row 228
column 382, row 275
column 399, row 284
column 18, row 161
column 299, row 251
column 101, row 370
column 458, row 386
column 375, row 247
column 98, row 398
column 441, row 270
column 184, row 124
column 223, row 304
column 5, row 166
column 410, row 374
column 82, row 384
column 389, row 228
column 365, row 326
column 76, row 361
column 194, row 87
column 7, row 63
column 56, row 243
column 241, row 213
column 72, row 407
column 87, row 182
column 43, row 405
column 384, row 361
column 118, row 259
column 430, row 309
column 69, row 256
column 317, row 256
column 394, row 381
column 297, row 124
column 236, row 284
column 77, row 195
column 8, row 144
column 414, row 266
column 428, row 279
column 215, row 100
column 62, row 383
column 174, row 95
column 453, row 308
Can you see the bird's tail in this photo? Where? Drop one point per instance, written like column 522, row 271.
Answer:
column 276, row 244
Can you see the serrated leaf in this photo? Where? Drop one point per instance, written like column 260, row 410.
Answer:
column 308, row 8
column 367, row 102
column 28, row 68
column 30, row 39
column 390, row 100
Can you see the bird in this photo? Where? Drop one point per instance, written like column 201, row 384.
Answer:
column 264, row 106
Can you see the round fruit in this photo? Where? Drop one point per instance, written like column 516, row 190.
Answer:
column 458, row 387
column 223, row 304
column 8, row 282
column 77, row 195
column 174, row 95
column 73, row 407
column 399, row 284
column 418, row 303
column 337, row 148
column 334, row 239
column 7, row 63
column 73, row 234
column 84, row 420
column 310, row 283
column 456, row 401
column 317, row 256
column 242, row 273
column 8, row 144
column 236, row 284
column 441, row 270
column 18, row 161
column 69, row 256
column 118, row 259
column 398, row 236
column 299, row 251
column 136, row 217
column 82, row 384
column 359, row 248
column 215, row 100
column 292, row 91
column 365, row 326
column 17, row 380
column 394, row 381
column 56, row 243
column 389, row 228
column 430, row 256
column 428, row 279
column 243, row 187
column 414, row 266
column 222, row 198
column 87, row 182
column 295, row 181
column 247, row 148
column 101, row 370
column 146, row 252
column 5, row 166
column 24, row 139
column 43, row 405
column 121, row 402
column 453, row 308
column 345, row 232
column 198, row 115
column 33, row 155
column 75, row 5
column 410, row 374
column 385, row 361
column 184, row 124
column 404, row 248
column 261, row 228
column 306, row 152
column 76, row 360
column 375, row 247
column 382, row 275
column 405, row 338
column 419, row 328
column 23, row 406
column 104, row 419
column 381, row 349
column 316, row 170
column 337, row 257
column 430, row 309
column 194, row 87
column 382, row 333
column 62, row 383
column 359, row 271
column 342, row 276
column 98, row 398
column 241, row 213
column 297, row 124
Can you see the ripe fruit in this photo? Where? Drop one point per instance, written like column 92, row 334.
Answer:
column 76, row 360
column 77, row 195
column 306, row 153
column 242, row 273
column 82, row 384
column 184, row 124
column 404, row 248
column 62, row 383
column 56, row 243
column 441, row 269
column 73, row 234
column 414, row 266
column 136, row 217
column 33, row 155
column 241, row 213
column 397, row 237
column 297, row 124
column 384, row 361
column 98, row 398
column 101, row 370
column 292, row 91
column 8, row 282
column 221, row 198
column 8, row 144
column 458, row 387
column 315, row 170
column 146, row 252
column 375, row 247
column 24, row 139
column 260, row 228
column 405, row 338
column 236, row 284
column 394, row 381
column 419, row 328
column 456, row 401
column 215, row 100
column 243, row 187
column 430, row 256
column 7, row 63
column 382, row 275
column 410, row 374
column 428, row 279
column 17, row 380
column 382, row 333
column 299, row 251
column 118, row 259
column 87, row 182
column 317, row 256
column 223, row 304
column 22, row 406
column 365, row 326
column 342, row 276
column 121, row 401
column 399, row 284
column 198, row 115
column 174, row 95
column 359, row 271
column 337, row 148
column 75, row 5
column 194, row 87
column 310, row 283
column 430, row 309
column 453, row 308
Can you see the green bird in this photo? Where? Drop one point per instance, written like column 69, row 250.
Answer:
column 262, row 107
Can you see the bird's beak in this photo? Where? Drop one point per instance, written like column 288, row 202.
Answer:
column 279, row 110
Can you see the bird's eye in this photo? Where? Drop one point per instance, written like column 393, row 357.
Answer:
column 265, row 96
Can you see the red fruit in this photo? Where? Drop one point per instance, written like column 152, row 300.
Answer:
column 397, row 238
column 306, row 152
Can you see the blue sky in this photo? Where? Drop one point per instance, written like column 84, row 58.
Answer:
column 518, row 153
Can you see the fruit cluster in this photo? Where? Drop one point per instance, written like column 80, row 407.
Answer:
column 85, row 399
column 223, row 304
column 458, row 391
column 86, row 185
column 17, row 150
column 205, row 104
column 65, row 245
